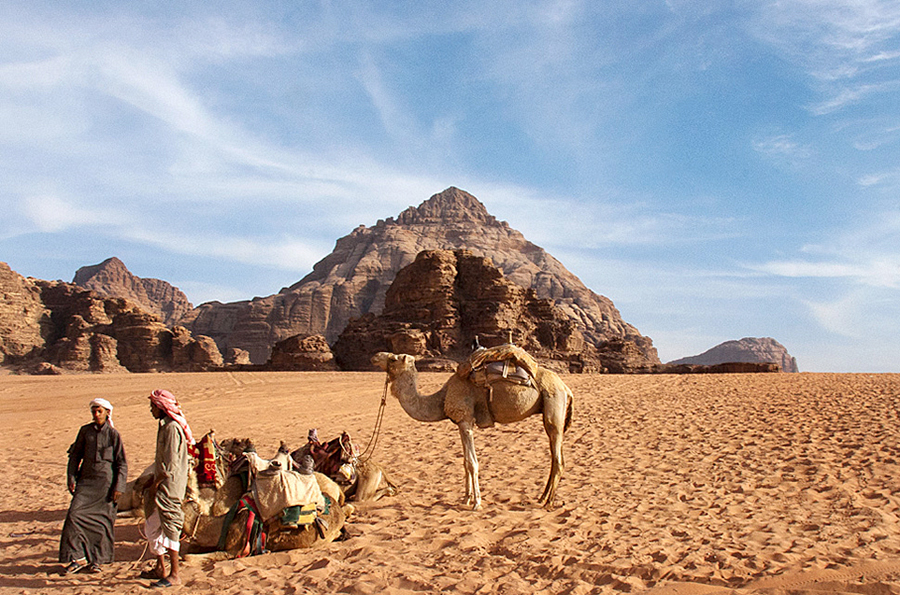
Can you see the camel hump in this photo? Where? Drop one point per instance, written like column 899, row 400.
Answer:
column 500, row 353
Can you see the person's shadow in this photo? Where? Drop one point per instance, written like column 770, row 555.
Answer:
column 39, row 568
column 41, row 532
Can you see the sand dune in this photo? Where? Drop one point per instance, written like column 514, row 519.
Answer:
column 770, row 483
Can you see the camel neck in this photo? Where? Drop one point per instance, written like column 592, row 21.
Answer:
column 418, row 406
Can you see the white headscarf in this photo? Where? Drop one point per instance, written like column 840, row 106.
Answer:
column 106, row 405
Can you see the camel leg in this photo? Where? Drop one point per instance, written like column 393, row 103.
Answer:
column 470, row 460
column 555, row 407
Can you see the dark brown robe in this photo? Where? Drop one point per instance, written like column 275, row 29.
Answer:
column 97, row 467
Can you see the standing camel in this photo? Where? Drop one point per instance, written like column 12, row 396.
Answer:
column 467, row 404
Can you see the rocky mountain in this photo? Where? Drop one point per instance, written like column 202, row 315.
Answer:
column 354, row 279
column 438, row 306
column 52, row 326
column 748, row 350
column 111, row 278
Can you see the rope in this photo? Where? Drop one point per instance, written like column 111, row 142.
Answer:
column 373, row 441
column 190, row 536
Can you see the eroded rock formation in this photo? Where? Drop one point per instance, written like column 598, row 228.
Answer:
column 354, row 279
column 24, row 320
column 439, row 304
column 111, row 278
column 309, row 353
column 748, row 350
column 51, row 326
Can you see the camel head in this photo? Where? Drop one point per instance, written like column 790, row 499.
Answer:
column 394, row 364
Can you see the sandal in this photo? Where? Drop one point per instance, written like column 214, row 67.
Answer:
column 74, row 567
column 163, row 582
column 94, row 568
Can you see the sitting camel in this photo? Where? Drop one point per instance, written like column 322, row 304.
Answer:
column 468, row 403
column 372, row 482
column 361, row 480
column 207, row 508
column 227, row 490
column 204, row 532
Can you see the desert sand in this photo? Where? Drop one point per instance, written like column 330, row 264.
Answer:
column 768, row 483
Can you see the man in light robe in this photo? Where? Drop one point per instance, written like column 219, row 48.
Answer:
column 96, row 476
column 165, row 517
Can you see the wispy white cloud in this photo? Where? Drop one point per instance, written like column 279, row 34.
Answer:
column 586, row 223
column 838, row 43
column 861, row 313
column 844, row 97
column 51, row 213
column 292, row 254
column 861, row 269
column 885, row 178
column 781, row 146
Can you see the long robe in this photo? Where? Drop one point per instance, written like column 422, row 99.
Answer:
column 172, row 466
column 97, row 467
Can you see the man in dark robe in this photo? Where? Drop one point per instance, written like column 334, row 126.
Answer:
column 96, row 477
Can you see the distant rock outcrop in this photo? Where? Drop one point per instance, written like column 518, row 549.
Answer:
column 353, row 280
column 439, row 304
column 749, row 350
column 726, row 368
column 308, row 353
column 53, row 327
column 111, row 278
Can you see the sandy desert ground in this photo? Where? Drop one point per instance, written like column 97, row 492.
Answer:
column 677, row 484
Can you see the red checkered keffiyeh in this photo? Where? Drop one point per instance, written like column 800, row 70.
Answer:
column 168, row 403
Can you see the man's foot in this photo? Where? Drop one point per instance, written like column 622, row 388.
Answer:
column 94, row 568
column 75, row 566
column 169, row 581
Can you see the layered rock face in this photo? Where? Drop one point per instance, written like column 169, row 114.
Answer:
column 353, row 280
column 111, row 278
column 439, row 304
column 51, row 325
column 24, row 320
column 748, row 350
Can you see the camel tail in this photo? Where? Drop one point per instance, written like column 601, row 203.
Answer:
column 571, row 399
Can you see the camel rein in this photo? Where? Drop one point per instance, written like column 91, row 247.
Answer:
column 373, row 441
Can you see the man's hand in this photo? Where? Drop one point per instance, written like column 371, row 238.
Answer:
column 116, row 496
column 71, row 487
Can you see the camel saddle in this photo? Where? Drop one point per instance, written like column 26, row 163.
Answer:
column 504, row 362
column 487, row 366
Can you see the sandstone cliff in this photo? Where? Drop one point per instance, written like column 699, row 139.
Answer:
column 439, row 304
column 353, row 280
column 24, row 320
column 55, row 326
column 749, row 350
column 111, row 278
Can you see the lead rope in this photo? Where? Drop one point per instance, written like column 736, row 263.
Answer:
column 373, row 441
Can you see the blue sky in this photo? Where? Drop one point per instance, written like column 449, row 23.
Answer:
column 717, row 169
